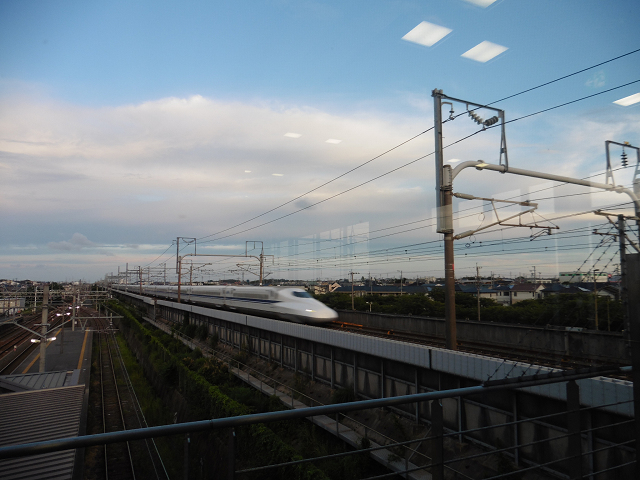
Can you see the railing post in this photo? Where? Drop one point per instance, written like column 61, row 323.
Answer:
column 437, row 449
column 187, row 440
column 516, row 434
column 231, row 456
column 573, row 425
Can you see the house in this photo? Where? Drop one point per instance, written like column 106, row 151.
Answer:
column 362, row 290
column 485, row 291
column 525, row 291
column 503, row 294
column 510, row 294
column 611, row 291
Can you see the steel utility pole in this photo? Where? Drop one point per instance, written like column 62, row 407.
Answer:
column 445, row 225
column 73, row 312
column 43, row 339
column 623, row 274
column 352, row 301
column 595, row 291
column 478, row 288
column 188, row 241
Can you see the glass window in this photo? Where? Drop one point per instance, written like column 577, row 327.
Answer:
column 301, row 294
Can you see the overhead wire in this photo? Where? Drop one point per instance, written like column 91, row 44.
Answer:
column 409, row 163
column 420, row 158
column 416, row 136
column 322, row 185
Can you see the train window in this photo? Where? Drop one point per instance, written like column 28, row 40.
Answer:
column 301, row 294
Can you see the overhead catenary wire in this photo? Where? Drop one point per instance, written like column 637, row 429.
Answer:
column 412, row 138
column 422, row 133
column 322, row 185
column 411, row 163
column 523, row 337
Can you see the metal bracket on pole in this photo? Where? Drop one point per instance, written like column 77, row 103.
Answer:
column 502, row 222
column 609, row 170
column 188, row 241
column 625, row 217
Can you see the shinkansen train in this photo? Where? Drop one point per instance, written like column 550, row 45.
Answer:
column 284, row 303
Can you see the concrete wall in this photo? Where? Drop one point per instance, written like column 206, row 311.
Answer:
column 587, row 344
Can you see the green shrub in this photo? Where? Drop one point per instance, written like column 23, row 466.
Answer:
column 343, row 395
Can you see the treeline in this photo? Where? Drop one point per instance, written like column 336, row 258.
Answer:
column 569, row 310
column 211, row 391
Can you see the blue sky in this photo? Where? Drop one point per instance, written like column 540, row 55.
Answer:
column 127, row 124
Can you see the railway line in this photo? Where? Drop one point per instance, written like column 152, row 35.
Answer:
column 114, row 408
column 15, row 342
column 567, row 359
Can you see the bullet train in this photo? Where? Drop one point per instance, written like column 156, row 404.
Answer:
column 284, row 303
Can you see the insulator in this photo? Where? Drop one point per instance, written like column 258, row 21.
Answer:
column 491, row 121
column 624, row 158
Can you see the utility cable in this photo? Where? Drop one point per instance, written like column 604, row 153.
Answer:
column 320, row 186
column 568, row 103
column 562, row 78
column 411, row 162
column 414, row 137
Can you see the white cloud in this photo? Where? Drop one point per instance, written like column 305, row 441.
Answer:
column 597, row 80
column 147, row 173
column 77, row 242
column 485, row 51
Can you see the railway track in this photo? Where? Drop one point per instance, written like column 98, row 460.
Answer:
column 15, row 344
column 118, row 410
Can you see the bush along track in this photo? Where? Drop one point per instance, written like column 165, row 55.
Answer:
column 197, row 380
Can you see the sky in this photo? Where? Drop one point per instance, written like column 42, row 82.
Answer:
column 124, row 125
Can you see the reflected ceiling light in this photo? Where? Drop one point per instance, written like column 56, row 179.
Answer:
column 277, row 174
column 334, row 141
column 485, row 51
column 247, row 171
column 427, row 34
column 481, row 3
column 292, row 135
column 630, row 100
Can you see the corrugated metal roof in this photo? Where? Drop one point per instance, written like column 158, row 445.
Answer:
column 35, row 416
column 37, row 381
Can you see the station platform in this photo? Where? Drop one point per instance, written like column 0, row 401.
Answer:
column 69, row 351
column 37, row 406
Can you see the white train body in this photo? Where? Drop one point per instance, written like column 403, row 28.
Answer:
column 285, row 303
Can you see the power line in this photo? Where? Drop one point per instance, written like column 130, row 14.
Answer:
column 414, row 161
column 569, row 103
column 320, row 186
column 422, row 133
column 565, row 76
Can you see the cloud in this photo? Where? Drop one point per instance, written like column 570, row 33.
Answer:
column 143, row 174
column 597, row 80
column 77, row 242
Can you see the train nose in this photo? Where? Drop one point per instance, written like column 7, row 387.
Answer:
column 326, row 314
